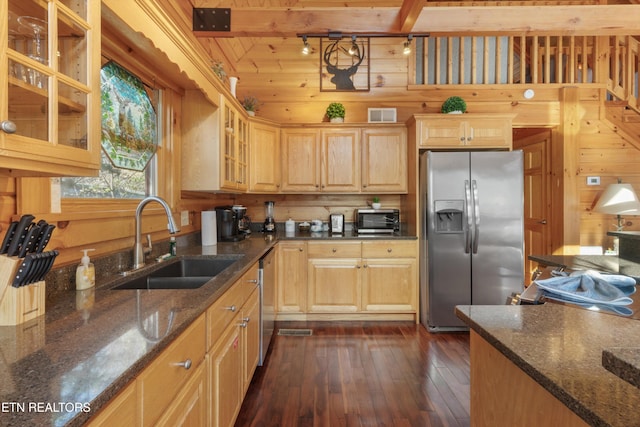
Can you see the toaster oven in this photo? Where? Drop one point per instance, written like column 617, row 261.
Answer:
column 372, row 221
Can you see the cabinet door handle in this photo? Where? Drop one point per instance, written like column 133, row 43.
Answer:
column 252, row 280
column 357, row 266
column 389, row 250
column 334, row 250
column 186, row 364
column 231, row 308
column 301, row 250
column 365, row 266
column 246, row 319
column 8, row 126
column 243, row 324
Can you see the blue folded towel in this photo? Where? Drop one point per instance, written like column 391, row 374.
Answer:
column 589, row 286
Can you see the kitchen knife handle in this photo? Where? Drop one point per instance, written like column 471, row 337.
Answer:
column 29, row 241
column 11, row 230
column 44, row 238
column 20, row 234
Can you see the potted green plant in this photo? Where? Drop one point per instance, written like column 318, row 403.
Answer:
column 336, row 112
column 454, row 105
column 375, row 203
column 250, row 104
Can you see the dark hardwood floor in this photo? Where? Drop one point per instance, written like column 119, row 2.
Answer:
column 361, row 374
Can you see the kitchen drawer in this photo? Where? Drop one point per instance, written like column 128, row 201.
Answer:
column 334, row 249
column 221, row 312
column 164, row 377
column 249, row 282
column 389, row 249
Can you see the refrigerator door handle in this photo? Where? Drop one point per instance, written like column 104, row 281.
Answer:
column 476, row 216
column 469, row 208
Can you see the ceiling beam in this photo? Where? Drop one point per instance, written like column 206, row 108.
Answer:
column 409, row 13
column 504, row 20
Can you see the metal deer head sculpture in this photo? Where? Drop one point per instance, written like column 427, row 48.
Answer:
column 342, row 76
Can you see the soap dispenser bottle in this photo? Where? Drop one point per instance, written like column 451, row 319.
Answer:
column 85, row 273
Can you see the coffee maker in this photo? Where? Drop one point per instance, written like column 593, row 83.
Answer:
column 244, row 222
column 227, row 223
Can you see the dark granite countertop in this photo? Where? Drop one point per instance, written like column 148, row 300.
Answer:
column 347, row 235
column 561, row 348
column 76, row 356
column 72, row 356
column 605, row 263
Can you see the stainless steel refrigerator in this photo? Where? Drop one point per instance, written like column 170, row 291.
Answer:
column 472, row 234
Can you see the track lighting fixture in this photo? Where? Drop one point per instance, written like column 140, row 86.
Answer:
column 306, row 49
column 407, row 45
column 353, row 50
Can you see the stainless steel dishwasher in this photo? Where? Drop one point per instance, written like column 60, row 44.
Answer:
column 267, row 280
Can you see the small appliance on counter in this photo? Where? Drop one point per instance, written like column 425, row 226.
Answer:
column 244, row 222
column 376, row 221
column 336, row 223
column 269, row 221
column 227, row 225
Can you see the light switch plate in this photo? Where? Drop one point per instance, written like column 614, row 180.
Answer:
column 593, row 180
column 184, row 218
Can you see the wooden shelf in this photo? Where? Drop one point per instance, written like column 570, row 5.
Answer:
column 30, row 94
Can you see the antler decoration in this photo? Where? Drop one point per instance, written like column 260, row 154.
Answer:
column 342, row 76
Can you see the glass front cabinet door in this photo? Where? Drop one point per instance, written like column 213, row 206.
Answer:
column 50, row 87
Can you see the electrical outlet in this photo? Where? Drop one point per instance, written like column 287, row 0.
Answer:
column 184, row 218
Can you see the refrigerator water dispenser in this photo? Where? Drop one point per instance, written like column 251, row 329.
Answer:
column 449, row 215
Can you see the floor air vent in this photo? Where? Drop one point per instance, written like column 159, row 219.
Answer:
column 295, row 332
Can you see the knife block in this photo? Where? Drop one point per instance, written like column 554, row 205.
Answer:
column 18, row 305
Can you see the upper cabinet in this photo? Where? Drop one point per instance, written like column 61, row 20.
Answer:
column 215, row 145
column 464, row 131
column 50, row 103
column 344, row 159
column 264, row 157
column 235, row 173
column 384, row 160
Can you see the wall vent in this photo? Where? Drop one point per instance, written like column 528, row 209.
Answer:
column 382, row 115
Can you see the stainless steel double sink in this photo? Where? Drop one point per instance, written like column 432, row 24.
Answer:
column 185, row 273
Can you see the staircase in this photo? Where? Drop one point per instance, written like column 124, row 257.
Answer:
column 624, row 120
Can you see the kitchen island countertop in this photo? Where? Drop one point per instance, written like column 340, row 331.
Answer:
column 561, row 348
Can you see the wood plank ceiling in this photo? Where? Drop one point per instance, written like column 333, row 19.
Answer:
column 263, row 49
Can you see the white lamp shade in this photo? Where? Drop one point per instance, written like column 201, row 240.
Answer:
column 619, row 199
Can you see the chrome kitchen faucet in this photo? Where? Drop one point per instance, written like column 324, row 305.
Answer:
column 138, row 249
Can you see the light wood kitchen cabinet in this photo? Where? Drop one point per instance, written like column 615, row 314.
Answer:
column 121, row 411
column 264, row 157
column 50, row 91
column 390, row 276
column 348, row 278
column 464, row 131
column 340, row 157
column 189, row 407
column 225, row 370
column 300, row 160
column 235, row 149
column 163, row 380
column 215, row 149
column 233, row 330
column 321, row 160
column 291, row 283
column 384, row 160
column 334, row 278
column 344, row 159
column 250, row 338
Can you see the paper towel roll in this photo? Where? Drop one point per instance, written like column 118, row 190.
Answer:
column 209, row 228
